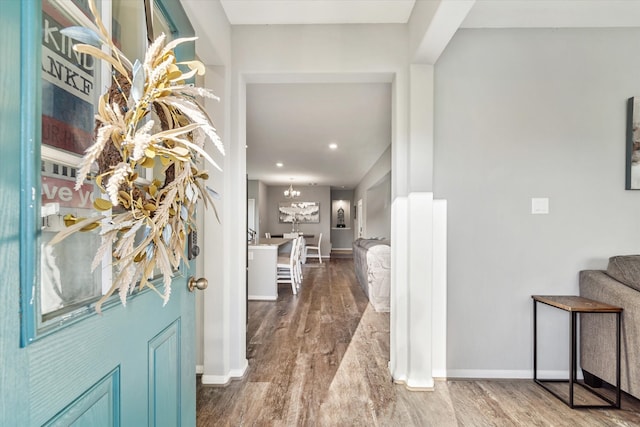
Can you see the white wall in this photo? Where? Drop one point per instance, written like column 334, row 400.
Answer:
column 320, row 194
column 222, row 251
column 253, row 192
column 263, row 208
column 213, row 30
column 342, row 238
column 522, row 114
column 350, row 53
column 378, row 208
column 375, row 176
column 209, row 305
column 319, row 48
column 209, row 229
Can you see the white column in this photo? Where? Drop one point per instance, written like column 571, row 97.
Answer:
column 399, row 304
column 439, row 294
column 412, row 302
column 225, row 299
column 420, row 301
column 235, row 240
column 416, row 317
column 420, row 167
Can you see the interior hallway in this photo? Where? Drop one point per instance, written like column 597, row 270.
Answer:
column 320, row 358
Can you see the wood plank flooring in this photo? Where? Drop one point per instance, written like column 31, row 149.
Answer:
column 320, row 359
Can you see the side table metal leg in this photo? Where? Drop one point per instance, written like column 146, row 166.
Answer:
column 572, row 358
column 618, row 351
column 535, row 341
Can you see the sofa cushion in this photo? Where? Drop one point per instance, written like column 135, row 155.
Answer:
column 625, row 269
column 369, row 243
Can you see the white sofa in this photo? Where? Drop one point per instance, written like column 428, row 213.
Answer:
column 372, row 261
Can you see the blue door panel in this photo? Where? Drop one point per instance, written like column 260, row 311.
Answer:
column 14, row 374
column 97, row 407
column 164, row 377
column 98, row 370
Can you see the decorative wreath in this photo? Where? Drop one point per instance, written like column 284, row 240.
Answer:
column 148, row 119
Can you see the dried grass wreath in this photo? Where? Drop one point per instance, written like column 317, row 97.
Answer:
column 149, row 118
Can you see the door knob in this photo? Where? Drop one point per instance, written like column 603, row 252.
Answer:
column 194, row 283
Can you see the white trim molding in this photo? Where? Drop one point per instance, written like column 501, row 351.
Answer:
column 419, row 286
column 222, row 380
column 508, row 374
column 439, row 326
column 420, row 291
column 261, row 298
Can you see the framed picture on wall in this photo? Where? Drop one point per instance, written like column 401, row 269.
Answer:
column 300, row 212
column 341, row 214
column 632, row 176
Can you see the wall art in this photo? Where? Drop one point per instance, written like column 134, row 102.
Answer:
column 299, row 212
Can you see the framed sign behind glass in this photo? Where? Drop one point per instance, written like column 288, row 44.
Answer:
column 70, row 81
column 71, row 84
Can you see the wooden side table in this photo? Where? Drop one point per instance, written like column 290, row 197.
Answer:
column 575, row 305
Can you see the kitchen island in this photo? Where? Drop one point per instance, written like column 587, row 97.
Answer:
column 262, row 268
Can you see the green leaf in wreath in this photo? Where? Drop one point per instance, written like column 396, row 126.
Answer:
column 84, row 35
column 102, row 204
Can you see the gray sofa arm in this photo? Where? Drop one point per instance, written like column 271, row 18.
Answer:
column 597, row 331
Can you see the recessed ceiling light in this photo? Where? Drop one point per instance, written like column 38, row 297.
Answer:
column 333, row 146
column 279, row 164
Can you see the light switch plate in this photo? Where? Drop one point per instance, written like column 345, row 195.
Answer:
column 540, row 205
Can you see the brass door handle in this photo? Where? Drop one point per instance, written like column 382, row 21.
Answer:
column 194, row 284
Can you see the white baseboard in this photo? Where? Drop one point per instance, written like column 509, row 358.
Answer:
column 261, row 298
column 439, row 374
column 420, row 385
column 442, row 374
column 505, row 374
column 222, row 380
column 218, row 380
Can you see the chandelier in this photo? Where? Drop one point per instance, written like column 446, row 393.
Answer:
column 290, row 193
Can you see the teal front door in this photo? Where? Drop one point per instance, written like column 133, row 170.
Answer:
column 129, row 366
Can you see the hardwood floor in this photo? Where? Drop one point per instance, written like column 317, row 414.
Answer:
column 320, row 359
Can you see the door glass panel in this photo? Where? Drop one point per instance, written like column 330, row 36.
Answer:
column 71, row 86
column 70, row 89
column 66, row 277
column 67, row 281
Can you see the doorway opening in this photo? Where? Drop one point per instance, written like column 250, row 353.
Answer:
column 291, row 133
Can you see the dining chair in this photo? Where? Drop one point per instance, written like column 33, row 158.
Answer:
column 316, row 249
column 287, row 268
column 267, row 235
column 300, row 242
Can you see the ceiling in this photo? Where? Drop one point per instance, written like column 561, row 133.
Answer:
column 294, row 123
column 274, row 12
column 484, row 14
